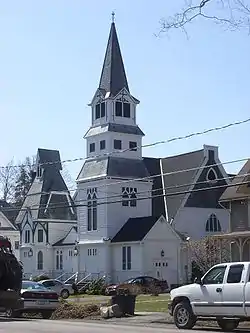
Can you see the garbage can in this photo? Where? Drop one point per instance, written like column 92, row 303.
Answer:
column 126, row 303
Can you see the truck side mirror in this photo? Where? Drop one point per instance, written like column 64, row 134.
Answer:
column 198, row 281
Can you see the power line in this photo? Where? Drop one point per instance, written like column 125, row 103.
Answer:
column 218, row 128
column 152, row 176
column 142, row 198
column 171, row 173
column 116, row 195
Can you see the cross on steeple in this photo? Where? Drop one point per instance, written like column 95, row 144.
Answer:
column 113, row 16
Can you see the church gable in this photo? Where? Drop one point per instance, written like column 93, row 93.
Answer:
column 48, row 192
column 210, row 184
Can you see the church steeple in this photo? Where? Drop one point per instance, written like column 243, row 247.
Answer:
column 113, row 77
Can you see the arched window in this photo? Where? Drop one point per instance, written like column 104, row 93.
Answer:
column 92, row 209
column 40, row 260
column 213, row 224
column 211, row 176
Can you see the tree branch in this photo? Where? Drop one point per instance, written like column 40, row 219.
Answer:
column 237, row 15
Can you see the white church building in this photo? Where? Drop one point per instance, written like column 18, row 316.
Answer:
column 121, row 223
column 118, row 235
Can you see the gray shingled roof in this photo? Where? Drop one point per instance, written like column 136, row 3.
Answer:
column 177, row 163
column 127, row 129
column 113, row 76
column 39, row 192
column 9, row 211
column 113, row 167
column 135, row 229
column 153, row 167
column 238, row 191
column 61, row 241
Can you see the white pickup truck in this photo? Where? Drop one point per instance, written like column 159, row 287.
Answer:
column 223, row 293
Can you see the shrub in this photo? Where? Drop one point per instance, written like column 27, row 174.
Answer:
column 40, row 278
column 97, row 287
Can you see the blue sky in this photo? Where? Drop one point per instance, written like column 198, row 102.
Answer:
column 51, row 57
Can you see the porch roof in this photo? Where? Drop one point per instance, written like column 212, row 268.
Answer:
column 235, row 234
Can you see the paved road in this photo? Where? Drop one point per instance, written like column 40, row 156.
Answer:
column 44, row 326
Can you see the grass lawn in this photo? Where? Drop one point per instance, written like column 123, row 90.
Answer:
column 152, row 303
column 144, row 303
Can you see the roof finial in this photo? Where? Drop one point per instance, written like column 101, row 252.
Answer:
column 113, row 16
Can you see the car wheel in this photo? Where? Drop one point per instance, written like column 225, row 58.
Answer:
column 64, row 293
column 10, row 313
column 46, row 314
column 183, row 316
column 228, row 325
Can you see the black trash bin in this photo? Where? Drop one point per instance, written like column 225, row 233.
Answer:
column 126, row 303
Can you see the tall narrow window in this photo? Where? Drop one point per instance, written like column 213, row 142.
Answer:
column 103, row 107
column 126, row 110
column 40, row 261
column 118, row 109
column 97, row 111
column 129, row 196
column 92, row 147
column 89, row 213
column 40, row 235
column 92, row 209
column 57, row 260
column 126, row 258
column 27, row 236
column 102, row 144
column 61, row 260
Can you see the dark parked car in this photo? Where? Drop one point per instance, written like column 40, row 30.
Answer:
column 139, row 285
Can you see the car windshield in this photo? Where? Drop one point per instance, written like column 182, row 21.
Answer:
column 29, row 285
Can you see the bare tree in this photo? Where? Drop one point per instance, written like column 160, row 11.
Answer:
column 8, row 178
column 231, row 14
column 208, row 252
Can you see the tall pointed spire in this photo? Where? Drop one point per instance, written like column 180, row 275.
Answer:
column 113, row 76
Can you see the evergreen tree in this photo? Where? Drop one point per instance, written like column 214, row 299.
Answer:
column 23, row 182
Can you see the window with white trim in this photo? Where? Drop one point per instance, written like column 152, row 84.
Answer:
column 59, row 260
column 122, row 109
column 129, row 196
column 213, row 224
column 92, row 252
column 126, row 258
column 211, row 176
column 102, row 144
column 40, row 235
column 92, row 147
column 133, row 145
column 92, row 209
column 40, row 260
column 27, row 236
column 100, row 110
column 118, row 144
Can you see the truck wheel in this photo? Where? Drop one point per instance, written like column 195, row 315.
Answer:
column 183, row 316
column 228, row 325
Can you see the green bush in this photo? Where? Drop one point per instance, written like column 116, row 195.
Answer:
column 96, row 287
